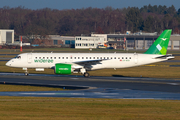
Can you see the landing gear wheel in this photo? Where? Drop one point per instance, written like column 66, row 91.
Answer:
column 86, row 74
column 26, row 73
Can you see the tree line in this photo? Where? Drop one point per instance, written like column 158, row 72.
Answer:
column 75, row 22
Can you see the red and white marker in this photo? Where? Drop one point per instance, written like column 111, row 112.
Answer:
column 21, row 45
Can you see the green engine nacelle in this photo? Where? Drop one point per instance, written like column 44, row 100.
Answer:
column 61, row 68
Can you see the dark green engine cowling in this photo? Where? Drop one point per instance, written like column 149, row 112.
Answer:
column 61, row 68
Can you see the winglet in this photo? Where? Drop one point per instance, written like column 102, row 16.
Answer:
column 161, row 44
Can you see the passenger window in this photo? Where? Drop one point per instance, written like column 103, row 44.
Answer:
column 86, row 57
column 104, row 57
column 78, row 57
column 59, row 57
column 66, row 57
column 54, row 57
column 111, row 57
column 39, row 57
column 35, row 57
column 97, row 57
column 51, row 57
column 118, row 57
column 114, row 57
column 74, row 57
column 47, row 57
column 82, row 57
column 122, row 57
column 107, row 57
column 126, row 57
column 89, row 57
column 94, row 58
column 62, row 57
column 129, row 57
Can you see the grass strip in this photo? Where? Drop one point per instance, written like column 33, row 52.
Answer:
column 17, row 88
column 82, row 108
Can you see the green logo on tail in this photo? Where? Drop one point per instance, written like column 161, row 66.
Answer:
column 161, row 44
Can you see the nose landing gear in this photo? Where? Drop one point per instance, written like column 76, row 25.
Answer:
column 26, row 72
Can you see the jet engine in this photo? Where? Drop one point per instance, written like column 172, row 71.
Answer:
column 61, row 68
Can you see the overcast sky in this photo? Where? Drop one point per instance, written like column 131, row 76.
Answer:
column 78, row 4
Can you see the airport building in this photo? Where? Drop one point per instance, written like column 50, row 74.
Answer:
column 124, row 41
column 6, row 36
column 66, row 41
column 83, row 42
column 117, row 41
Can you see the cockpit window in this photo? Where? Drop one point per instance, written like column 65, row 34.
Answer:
column 18, row 57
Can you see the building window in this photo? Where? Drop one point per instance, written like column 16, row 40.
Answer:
column 67, row 42
column 55, row 42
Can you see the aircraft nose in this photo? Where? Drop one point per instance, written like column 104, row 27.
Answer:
column 8, row 63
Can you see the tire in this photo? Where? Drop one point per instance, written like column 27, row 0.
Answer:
column 86, row 74
column 26, row 73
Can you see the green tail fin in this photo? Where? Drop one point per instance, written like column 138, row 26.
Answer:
column 161, row 44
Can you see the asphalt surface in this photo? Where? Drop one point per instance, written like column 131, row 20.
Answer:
column 95, row 87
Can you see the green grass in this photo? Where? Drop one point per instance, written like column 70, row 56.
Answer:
column 88, row 109
column 8, row 88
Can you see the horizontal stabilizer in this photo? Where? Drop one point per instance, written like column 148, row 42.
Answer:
column 168, row 56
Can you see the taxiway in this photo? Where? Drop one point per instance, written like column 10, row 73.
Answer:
column 95, row 87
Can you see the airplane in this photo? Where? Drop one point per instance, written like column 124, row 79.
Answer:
column 67, row 63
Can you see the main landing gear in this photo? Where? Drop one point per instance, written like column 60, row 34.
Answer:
column 83, row 71
column 86, row 74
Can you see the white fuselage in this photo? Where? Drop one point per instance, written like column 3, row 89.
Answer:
column 109, row 60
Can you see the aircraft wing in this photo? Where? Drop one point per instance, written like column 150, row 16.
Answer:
column 90, row 62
